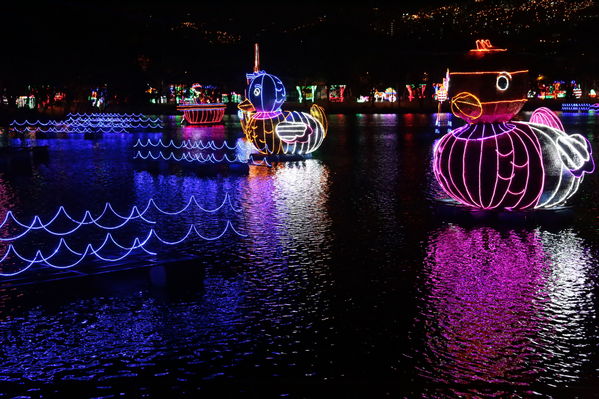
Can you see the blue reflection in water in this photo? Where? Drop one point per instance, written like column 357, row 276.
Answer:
column 246, row 296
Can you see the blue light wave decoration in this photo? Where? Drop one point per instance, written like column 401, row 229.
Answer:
column 191, row 158
column 51, row 258
column 89, row 123
column 106, row 115
column 88, row 219
column 39, row 258
column 188, row 145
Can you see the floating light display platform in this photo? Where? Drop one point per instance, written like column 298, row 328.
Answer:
column 495, row 163
column 203, row 114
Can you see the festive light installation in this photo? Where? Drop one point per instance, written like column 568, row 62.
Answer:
column 272, row 130
column 415, row 91
column 493, row 162
column 187, row 144
column 306, row 93
column 337, row 93
column 203, row 107
column 389, row 95
column 568, row 107
column 12, row 255
column 89, row 123
column 203, row 114
column 199, row 158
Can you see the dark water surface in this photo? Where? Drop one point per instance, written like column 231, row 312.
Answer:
column 355, row 278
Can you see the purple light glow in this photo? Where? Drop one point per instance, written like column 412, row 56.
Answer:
column 492, row 303
column 512, row 165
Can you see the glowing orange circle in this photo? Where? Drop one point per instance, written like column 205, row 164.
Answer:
column 466, row 106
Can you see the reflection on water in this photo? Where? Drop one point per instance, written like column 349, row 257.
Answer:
column 350, row 275
column 513, row 307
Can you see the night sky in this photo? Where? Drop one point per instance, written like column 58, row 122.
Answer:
column 130, row 44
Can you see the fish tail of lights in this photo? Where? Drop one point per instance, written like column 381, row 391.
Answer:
column 63, row 256
column 513, row 165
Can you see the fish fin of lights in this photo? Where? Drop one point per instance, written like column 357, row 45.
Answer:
column 545, row 116
column 254, row 75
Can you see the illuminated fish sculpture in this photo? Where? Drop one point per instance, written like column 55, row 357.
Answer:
column 272, row 130
column 493, row 162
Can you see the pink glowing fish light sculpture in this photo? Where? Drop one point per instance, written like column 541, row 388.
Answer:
column 495, row 163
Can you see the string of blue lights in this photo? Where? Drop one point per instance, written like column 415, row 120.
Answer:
column 188, row 145
column 88, row 219
column 199, row 158
column 39, row 258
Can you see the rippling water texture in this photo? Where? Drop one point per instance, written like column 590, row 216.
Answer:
column 355, row 277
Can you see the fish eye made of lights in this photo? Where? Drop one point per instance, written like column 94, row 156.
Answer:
column 272, row 130
column 494, row 162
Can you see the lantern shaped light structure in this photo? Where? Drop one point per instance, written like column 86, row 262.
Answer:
column 271, row 130
column 495, row 163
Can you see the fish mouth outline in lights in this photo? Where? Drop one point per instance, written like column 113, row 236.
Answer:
column 271, row 130
column 495, row 163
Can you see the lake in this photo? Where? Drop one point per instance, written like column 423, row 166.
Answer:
column 345, row 273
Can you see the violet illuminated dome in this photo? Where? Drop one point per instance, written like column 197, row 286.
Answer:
column 488, row 88
column 266, row 92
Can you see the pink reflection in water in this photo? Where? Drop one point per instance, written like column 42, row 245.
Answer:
column 492, row 302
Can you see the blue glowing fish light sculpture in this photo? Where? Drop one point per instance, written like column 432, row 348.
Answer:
column 273, row 131
column 493, row 162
